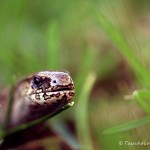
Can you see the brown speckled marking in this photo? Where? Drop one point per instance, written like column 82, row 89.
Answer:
column 46, row 97
column 47, row 83
column 71, row 93
column 37, row 96
column 64, row 97
column 57, row 95
column 45, row 103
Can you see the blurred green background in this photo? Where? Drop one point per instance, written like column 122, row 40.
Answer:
column 104, row 45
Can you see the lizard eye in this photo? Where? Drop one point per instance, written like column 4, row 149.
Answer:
column 54, row 81
column 37, row 81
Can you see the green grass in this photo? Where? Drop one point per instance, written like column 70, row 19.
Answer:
column 119, row 40
column 128, row 126
column 81, row 116
column 53, row 43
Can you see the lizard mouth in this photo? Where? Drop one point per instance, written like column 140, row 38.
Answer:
column 60, row 93
column 62, row 89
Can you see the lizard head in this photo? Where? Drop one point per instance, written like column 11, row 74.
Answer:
column 49, row 87
column 40, row 94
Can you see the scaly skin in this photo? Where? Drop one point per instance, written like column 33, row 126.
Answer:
column 38, row 95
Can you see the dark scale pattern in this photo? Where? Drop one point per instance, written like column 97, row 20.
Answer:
column 45, row 103
column 46, row 97
column 37, row 96
column 57, row 95
column 64, row 97
column 71, row 93
column 46, row 83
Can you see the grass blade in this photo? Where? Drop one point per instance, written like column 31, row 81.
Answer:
column 119, row 40
column 52, row 50
column 128, row 126
column 86, row 66
column 143, row 99
column 82, row 113
column 62, row 130
column 8, row 114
